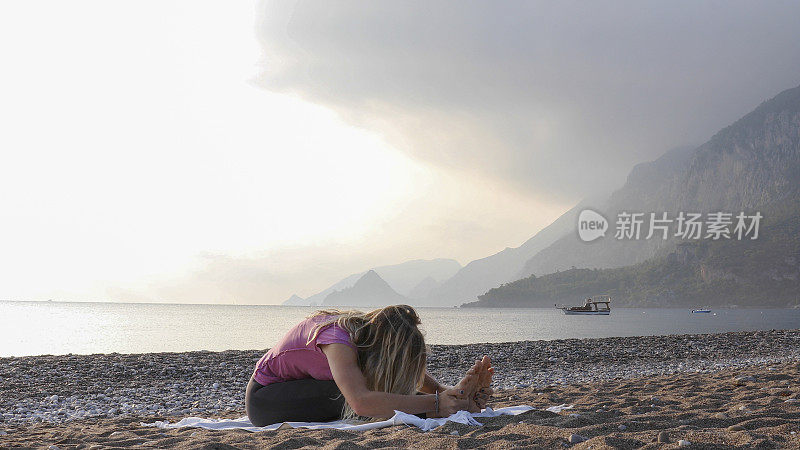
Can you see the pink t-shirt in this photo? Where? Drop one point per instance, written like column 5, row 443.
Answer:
column 294, row 359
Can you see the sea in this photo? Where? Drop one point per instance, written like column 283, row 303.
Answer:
column 58, row 328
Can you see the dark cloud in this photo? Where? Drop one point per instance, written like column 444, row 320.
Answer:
column 556, row 98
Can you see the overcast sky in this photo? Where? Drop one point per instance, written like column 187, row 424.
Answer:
column 216, row 151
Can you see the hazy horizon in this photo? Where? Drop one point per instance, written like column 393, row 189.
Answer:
column 208, row 152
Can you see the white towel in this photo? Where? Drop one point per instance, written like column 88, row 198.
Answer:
column 399, row 417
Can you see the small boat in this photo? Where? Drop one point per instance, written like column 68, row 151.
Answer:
column 599, row 306
column 700, row 311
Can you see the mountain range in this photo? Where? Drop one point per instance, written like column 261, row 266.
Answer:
column 751, row 165
column 369, row 290
column 413, row 279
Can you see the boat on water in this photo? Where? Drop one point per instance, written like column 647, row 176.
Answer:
column 700, row 311
column 599, row 305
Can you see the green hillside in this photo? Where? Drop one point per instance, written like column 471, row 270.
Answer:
column 760, row 273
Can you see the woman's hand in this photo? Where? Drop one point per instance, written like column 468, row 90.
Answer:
column 452, row 401
column 482, row 397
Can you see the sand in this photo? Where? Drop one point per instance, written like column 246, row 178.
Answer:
column 744, row 406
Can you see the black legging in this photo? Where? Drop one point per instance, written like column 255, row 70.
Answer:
column 307, row 400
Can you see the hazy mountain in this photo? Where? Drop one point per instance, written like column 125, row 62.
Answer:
column 401, row 277
column 751, row 273
column 483, row 274
column 295, row 300
column 423, row 288
column 369, row 290
column 406, row 276
column 753, row 163
column 318, row 298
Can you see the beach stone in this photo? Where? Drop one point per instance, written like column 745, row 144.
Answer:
column 577, row 438
column 684, row 443
column 721, row 415
column 735, row 428
column 454, row 433
column 622, row 428
column 663, row 437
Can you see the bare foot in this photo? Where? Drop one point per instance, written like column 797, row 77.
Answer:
column 484, row 382
column 476, row 384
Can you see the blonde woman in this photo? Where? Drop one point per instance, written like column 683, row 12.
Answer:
column 336, row 365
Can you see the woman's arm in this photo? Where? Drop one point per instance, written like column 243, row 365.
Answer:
column 481, row 372
column 343, row 362
column 430, row 385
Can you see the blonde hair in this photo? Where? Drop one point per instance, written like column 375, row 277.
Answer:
column 391, row 348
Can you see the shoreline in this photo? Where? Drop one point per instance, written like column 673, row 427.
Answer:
column 502, row 343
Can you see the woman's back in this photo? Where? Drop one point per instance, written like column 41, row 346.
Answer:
column 295, row 358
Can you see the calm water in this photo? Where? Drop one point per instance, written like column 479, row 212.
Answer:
column 34, row 328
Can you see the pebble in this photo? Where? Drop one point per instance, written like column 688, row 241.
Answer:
column 454, row 433
column 577, row 438
column 177, row 384
column 622, row 428
column 721, row 415
column 663, row 437
column 735, row 428
column 684, row 443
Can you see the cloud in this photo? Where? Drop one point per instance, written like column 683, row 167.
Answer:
column 446, row 219
column 551, row 98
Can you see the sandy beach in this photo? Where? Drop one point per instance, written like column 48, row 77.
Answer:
column 711, row 391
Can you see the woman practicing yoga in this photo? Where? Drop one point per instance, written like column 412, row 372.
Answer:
column 335, row 365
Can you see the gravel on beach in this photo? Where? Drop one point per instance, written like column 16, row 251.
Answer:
column 57, row 389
